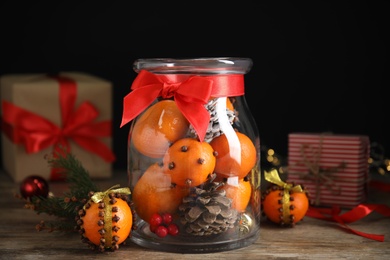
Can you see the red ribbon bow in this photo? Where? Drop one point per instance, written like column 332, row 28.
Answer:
column 191, row 93
column 37, row 133
column 355, row 214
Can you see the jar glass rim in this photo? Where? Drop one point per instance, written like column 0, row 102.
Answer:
column 207, row 65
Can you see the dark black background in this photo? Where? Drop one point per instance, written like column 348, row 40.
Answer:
column 317, row 65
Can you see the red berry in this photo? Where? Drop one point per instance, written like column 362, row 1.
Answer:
column 155, row 220
column 173, row 229
column 153, row 228
column 161, row 231
column 166, row 218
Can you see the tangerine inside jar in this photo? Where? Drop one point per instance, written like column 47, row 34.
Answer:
column 193, row 155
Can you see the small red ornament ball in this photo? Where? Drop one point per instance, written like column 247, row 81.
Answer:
column 34, row 186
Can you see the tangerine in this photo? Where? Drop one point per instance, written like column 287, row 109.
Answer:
column 236, row 154
column 189, row 162
column 103, row 233
column 239, row 192
column 154, row 193
column 158, row 127
column 229, row 104
column 273, row 206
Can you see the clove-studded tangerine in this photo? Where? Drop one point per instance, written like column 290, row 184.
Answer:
column 284, row 207
column 189, row 162
column 106, row 219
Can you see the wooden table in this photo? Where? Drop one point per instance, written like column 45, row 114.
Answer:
column 310, row 239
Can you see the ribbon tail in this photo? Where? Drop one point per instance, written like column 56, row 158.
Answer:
column 383, row 210
column 334, row 212
column 93, row 130
column 103, row 129
column 137, row 101
column 363, row 210
column 95, row 146
column 376, row 237
column 273, row 177
column 197, row 115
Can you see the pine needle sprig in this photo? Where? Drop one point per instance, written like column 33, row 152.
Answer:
column 80, row 183
column 55, row 225
column 52, row 206
column 65, row 207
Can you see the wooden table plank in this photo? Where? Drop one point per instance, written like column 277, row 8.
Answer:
column 310, row 239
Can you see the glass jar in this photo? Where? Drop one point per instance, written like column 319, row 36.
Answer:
column 193, row 155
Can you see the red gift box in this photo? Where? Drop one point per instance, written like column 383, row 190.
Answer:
column 42, row 114
column 332, row 168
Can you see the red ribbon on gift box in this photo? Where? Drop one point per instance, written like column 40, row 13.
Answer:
column 37, row 133
column 355, row 214
column 190, row 93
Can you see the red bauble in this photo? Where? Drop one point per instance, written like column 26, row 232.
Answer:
column 34, row 186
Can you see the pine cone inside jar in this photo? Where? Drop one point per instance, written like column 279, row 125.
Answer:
column 206, row 210
column 214, row 129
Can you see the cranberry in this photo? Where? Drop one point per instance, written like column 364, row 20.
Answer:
column 173, row 229
column 156, row 220
column 166, row 218
column 161, row 231
column 153, row 228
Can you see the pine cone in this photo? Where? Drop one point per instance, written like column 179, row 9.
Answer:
column 213, row 129
column 207, row 211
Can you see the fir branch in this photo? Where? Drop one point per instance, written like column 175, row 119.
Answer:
column 76, row 175
column 50, row 206
column 65, row 208
column 62, row 207
column 55, row 225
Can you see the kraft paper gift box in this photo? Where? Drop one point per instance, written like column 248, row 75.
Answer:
column 333, row 168
column 71, row 110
